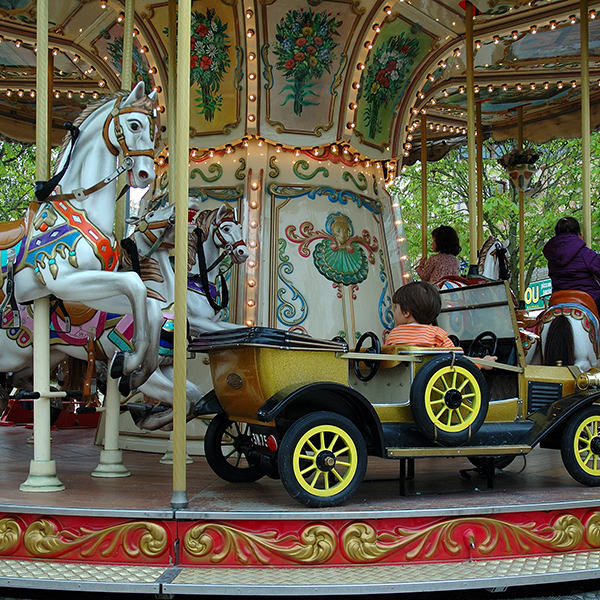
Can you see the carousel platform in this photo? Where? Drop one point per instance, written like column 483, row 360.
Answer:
column 449, row 532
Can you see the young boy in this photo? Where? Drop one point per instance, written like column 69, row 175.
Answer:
column 416, row 306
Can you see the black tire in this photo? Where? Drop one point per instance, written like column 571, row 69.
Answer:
column 228, row 448
column 500, row 462
column 449, row 399
column 580, row 447
column 322, row 459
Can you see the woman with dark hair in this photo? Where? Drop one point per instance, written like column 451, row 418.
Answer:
column 445, row 263
column 571, row 264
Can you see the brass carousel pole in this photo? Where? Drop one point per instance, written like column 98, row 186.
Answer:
column 479, row 177
column 42, row 470
column 126, row 83
column 471, row 139
column 423, row 186
column 585, row 123
column 179, row 185
column 521, row 222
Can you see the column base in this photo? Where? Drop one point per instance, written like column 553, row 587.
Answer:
column 111, row 465
column 42, row 477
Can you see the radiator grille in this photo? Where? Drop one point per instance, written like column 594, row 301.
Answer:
column 542, row 393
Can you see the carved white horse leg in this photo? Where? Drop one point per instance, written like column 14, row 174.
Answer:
column 160, row 387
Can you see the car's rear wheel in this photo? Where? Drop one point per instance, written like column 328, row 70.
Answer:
column 322, row 459
column 580, row 448
column 229, row 451
column 449, row 399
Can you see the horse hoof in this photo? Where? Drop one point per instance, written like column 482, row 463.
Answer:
column 125, row 385
column 117, row 365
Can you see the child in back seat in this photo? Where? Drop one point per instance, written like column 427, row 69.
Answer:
column 416, row 306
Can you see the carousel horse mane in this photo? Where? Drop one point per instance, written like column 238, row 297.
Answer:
column 492, row 246
column 483, row 252
column 149, row 271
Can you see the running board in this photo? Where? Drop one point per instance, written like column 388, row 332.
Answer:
column 444, row 451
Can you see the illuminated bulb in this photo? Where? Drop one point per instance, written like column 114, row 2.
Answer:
column 249, row 14
column 445, row 93
column 296, row 151
column 82, row 95
column 251, row 97
column 573, row 19
column 421, row 96
column 228, row 149
column 278, row 148
column 32, row 93
column 245, row 143
column 406, row 153
column 193, row 153
column 69, row 94
column 251, row 76
column 251, row 56
column 18, row 43
column 20, row 93
column 356, row 85
column 442, row 64
column 490, row 88
column 560, row 85
column 103, row 3
column 573, row 84
column 552, row 24
column 388, row 10
column 54, row 51
column 252, row 244
column 406, row 275
column 253, row 204
column 592, row 14
column 515, row 35
column 496, row 39
column 353, row 105
column 519, row 87
column 376, row 28
column 121, row 17
column 368, row 162
column 57, row 94
column 253, row 224
column 407, row 146
column 461, row 90
column 431, row 77
column 251, row 117
column 94, row 95
column 251, row 282
column 360, row 66
column 102, row 83
column 249, row 323
column 368, row 45
column 260, row 142
column 254, row 185
column 211, row 153
column 504, row 87
column 251, row 264
column 478, row 44
column 533, row 29
column 476, row 89
column 250, row 302
column 456, row 52
column 546, row 85
column 532, row 86
column 250, row 33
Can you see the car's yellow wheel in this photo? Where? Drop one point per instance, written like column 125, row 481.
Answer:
column 449, row 399
column 580, row 446
column 322, row 459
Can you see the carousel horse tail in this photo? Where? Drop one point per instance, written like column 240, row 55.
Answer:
column 559, row 343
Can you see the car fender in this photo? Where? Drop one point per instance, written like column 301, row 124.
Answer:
column 208, row 405
column 555, row 414
column 297, row 400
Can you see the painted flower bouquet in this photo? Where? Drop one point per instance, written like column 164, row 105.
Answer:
column 517, row 158
column 386, row 75
column 209, row 58
column 304, row 46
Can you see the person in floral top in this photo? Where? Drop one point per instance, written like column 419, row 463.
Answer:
column 445, row 263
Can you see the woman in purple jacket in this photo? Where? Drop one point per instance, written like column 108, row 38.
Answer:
column 571, row 264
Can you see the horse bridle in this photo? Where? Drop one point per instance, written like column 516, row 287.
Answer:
column 228, row 248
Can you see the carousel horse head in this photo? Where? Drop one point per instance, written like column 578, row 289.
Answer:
column 127, row 123
column 494, row 259
column 221, row 229
column 155, row 228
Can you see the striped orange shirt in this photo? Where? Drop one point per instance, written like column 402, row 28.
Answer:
column 419, row 334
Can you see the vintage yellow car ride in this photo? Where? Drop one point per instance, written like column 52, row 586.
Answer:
column 311, row 412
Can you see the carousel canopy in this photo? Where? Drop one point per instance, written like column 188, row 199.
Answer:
column 311, row 74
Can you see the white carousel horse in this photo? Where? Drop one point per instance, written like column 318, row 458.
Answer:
column 72, row 324
column 567, row 332
column 65, row 245
column 221, row 235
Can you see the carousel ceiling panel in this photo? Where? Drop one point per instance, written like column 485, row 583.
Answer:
column 315, row 72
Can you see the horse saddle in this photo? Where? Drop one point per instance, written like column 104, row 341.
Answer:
column 574, row 297
column 12, row 232
column 78, row 313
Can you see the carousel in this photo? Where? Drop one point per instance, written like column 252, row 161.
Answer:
column 216, row 243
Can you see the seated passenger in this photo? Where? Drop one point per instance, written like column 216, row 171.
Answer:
column 416, row 306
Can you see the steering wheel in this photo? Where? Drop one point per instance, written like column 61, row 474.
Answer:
column 480, row 348
column 372, row 365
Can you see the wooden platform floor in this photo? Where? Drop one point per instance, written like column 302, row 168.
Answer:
column 438, row 485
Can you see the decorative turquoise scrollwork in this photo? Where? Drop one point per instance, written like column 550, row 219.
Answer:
column 361, row 184
column 386, row 313
column 334, row 196
column 303, row 164
column 219, row 194
column 294, row 311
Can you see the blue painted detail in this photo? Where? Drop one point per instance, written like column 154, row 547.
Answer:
column 288, row 311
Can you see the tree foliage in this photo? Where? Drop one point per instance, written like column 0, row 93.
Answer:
column 555, row 191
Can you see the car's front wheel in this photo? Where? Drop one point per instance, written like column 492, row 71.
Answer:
column 322, row 459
